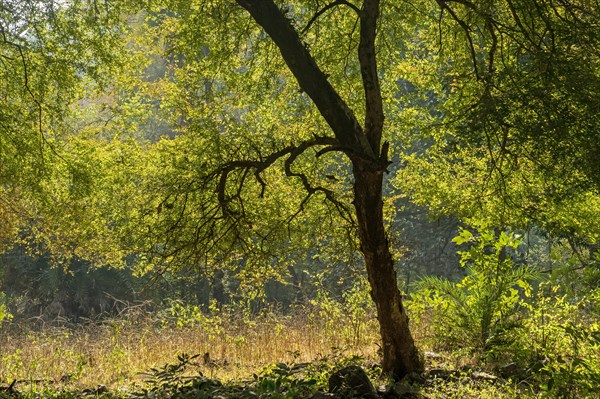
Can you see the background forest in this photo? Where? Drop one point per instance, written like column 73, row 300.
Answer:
column 246, row 181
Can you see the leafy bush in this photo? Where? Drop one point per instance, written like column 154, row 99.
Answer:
column 352, row 316
column 551, row 338
column 274, row 381
column 481, row 312
column 560, row 343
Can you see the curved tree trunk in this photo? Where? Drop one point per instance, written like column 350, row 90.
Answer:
column 400, row 355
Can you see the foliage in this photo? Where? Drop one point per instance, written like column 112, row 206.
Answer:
column 465, row 388
column 354, row 310
column 578, row 374
column 501, row 117
column 559, row 343
column 535, row 327
column 274, row 381
column 169, row 381
column 51, row 53
column 481, row 312
column 192, row 147
column 112, row 350
column 4, row 313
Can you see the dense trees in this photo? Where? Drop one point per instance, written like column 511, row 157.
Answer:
column 49, row 56
column 282, row 122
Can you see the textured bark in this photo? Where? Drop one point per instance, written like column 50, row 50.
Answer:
column 368, row 69
column 369, row 160
column 400, row 355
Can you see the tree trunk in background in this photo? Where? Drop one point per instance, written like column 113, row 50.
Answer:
column 400, row 355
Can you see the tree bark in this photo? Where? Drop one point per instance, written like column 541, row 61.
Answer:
column 400, row 355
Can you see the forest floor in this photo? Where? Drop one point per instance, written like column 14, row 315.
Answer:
column 137, row 357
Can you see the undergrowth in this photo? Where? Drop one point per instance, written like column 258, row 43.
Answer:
column 499, row 332
column 116, row 352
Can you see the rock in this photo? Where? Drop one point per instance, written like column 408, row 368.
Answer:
column 352, row 382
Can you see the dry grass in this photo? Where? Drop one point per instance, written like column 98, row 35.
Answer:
column 116, row 352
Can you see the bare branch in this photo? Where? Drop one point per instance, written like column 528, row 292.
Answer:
column 325, row 9
column 291, row 154
column 343, row 211
column 490, row 28
column 258, row 166
column 444, row 6
column 329, row 149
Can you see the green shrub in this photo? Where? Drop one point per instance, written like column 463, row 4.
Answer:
column 559, row 345
column 481, row 312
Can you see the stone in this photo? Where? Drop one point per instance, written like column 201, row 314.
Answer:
column 352, row 382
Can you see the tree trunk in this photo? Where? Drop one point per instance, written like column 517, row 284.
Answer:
column 362, row 146
column 400, row 355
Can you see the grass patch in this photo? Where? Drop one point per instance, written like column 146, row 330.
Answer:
column 117, row 352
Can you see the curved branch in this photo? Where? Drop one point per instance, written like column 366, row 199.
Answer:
column 325, row 9
column 444, row 6
column 342, row 209
column 258, row 166
column 291, row 154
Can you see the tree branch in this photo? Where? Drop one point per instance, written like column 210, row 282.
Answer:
column 258, row 166
column 444, row 6
column 325, row 9
column 310, row 77
column 368, row 68
column 329, row 194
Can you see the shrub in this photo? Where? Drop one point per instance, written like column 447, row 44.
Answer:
column 560, row 343
column 481, row 312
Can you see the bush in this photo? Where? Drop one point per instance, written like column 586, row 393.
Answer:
column 560, row 344
column 4, row 313
column 481, row 312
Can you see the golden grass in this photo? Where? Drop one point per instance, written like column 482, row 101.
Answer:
column 116, row 352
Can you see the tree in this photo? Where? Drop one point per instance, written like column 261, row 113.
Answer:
column 50, row 53
column 369, row 159
column 249, row 155
column 516, row 121
column 214, row 171
column 477, row 59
